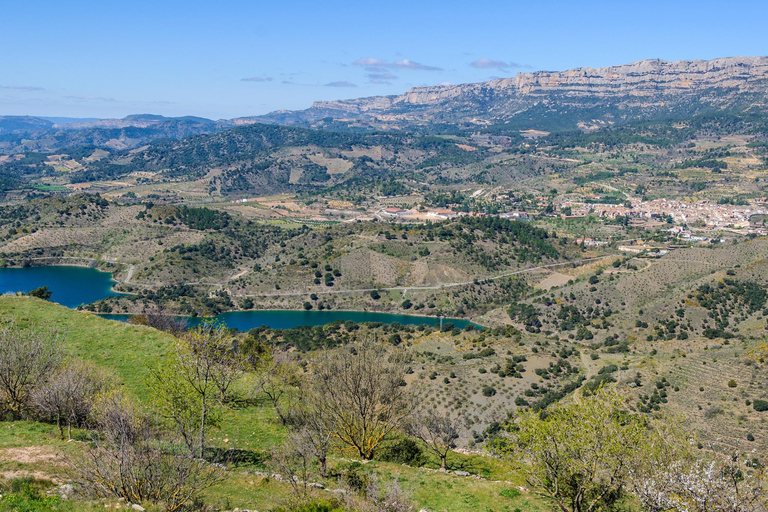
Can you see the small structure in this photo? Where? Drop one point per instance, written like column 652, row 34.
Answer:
column 393, row 212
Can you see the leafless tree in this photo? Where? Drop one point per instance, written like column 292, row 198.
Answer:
column 28, row 356
column 68, row 396
column 438, row 431
column 161, row 319
column 704, row 486
column 278, row 380
column 316, row 426
column 294, row 461
column 391, row 498
column 362, row 388
column 129, row 459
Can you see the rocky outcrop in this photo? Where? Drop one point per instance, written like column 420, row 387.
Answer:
column 648, row 83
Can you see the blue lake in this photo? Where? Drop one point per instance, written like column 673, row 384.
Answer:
column 73, row 286
column 70, row 286
column 287, row 319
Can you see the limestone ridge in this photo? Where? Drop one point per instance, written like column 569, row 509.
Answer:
column 638, row 89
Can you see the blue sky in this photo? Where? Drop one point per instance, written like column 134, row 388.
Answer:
column 223, row 59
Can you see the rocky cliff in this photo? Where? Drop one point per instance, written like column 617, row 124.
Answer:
column 645, row 88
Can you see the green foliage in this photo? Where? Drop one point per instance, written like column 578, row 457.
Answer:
column 41, row 293
column 402, row 450
column 579, row 454
column 511, row 493
column 27, row 495
column 315, row 506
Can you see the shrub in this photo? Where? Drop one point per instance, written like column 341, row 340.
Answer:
column 402, row 450
column 760, row 405
column 490, row 391
column 510, row 492
column 732, row 383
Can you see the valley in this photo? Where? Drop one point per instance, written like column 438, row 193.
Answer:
column 395, row 303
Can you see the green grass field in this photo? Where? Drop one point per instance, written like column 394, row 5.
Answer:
column 129, row 351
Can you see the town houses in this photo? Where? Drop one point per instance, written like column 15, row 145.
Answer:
column 701, row 214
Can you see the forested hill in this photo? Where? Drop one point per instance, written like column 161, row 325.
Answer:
column 280, row 158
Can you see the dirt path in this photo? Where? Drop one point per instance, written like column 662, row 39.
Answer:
column 129, row 275
column 240, row 274
column 587, row 362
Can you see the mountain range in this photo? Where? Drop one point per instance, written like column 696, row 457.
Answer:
column 583, row 98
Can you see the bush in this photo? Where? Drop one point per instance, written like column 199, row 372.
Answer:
column 760, row 405
column 488, row 391
column 732, row 383
column 402, row 450
column 315, row 506
column 510, row 492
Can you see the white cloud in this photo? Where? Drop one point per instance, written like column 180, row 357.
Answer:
column 21, row 88
column 340, row 83
column 496, row 64
column 257, row 79
column 373, row 64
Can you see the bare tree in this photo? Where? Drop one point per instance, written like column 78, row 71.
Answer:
column 362, row 388
column 161, row 319
column 294, row 461
column 68, row 396
column 715, row 485
column 278, row 380
column 316, row 426
column 390, row 499
column 131, row 460
column 438, row 431
column 27, row 358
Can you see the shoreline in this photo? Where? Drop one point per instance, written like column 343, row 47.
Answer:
column 311, row 312
column 93, row 264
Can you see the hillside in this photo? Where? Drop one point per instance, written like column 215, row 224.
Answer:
column 251, row 430
column 586, row 98
column 20, row 134
column 200, row 260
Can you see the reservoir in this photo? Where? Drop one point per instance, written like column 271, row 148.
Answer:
column 73, row 286
column 70, row 286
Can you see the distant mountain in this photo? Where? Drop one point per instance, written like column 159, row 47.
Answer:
column 141, row 121
column 20, row 134
column 69, row 120
column 17, row 124
column 585, row 98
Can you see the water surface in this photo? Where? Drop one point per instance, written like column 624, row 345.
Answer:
column 73, row 286
column 288, row 319
column 70, row 286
